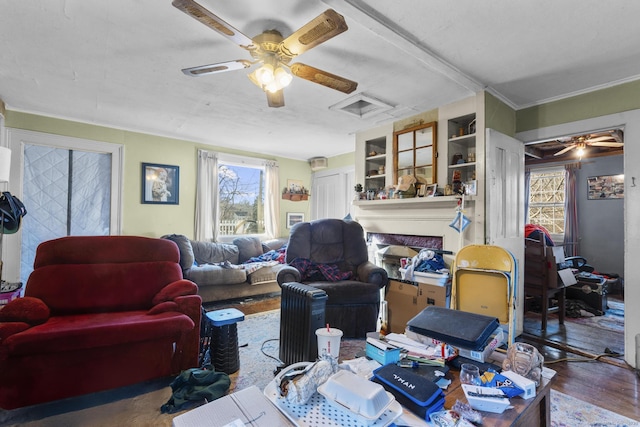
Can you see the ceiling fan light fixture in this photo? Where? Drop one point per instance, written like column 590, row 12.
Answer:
column 283, row 77
column 265, row 74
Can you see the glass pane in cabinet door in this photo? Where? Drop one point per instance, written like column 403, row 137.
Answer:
column 425, row 174
column 405, row 141
column 405, row 159
column 424, row 137
column 424, row 156
column 408, row 171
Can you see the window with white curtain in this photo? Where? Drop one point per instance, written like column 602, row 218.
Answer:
column 236, row 195
column 241, row 196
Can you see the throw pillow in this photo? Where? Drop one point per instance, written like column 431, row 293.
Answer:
column 175, row 289
column 248, row 247
column 27, row 309
column 186, row 251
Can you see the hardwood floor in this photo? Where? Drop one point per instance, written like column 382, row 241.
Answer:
column 607, row 381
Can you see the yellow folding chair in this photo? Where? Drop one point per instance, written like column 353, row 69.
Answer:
column 485, row 282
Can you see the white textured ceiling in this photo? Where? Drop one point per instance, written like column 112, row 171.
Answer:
column 117, row 63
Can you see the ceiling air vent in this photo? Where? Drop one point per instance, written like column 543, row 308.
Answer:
column 362, row 106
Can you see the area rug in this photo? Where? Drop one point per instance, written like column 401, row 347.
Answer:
column 567, row 411
column 612, row 320
column 139, row 405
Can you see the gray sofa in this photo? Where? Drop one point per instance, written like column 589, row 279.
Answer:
column 221, row 270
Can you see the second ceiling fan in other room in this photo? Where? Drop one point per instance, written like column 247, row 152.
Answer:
column 273, row 52
column 611, row 138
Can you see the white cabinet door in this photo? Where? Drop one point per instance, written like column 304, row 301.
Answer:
column 504, row 208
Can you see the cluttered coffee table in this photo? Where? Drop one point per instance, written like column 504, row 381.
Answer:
column 530, row 412
column 262, row 408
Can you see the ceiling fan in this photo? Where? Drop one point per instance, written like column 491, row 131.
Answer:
column 273, row 52
column 611, row 138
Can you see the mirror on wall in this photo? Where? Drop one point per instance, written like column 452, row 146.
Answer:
column 414, row 153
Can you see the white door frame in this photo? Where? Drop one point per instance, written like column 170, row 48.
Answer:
column 630, row 120
column 17, row 139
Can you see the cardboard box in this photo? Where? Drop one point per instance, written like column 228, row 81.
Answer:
column 406, row 299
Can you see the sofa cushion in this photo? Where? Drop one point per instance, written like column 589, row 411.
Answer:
column 212, row 253
column 186, row 251
column 28, row 310
column 90, row 288
column 248, row 247
column 208, row 274
column 163, row 307
column 274, row 244
column 83, row 331
column 264, row 274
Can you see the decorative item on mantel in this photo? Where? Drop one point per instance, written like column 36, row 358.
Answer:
column 358, row 192
column 406, row 187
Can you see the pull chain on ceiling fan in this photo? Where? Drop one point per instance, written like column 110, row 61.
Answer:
column 273, row 52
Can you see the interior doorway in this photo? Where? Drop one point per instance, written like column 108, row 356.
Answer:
column 601, row 224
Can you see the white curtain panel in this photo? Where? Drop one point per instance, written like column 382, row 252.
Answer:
column 272, row 204
column 206, row 220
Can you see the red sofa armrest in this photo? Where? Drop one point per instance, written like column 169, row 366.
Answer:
column 175, row 289
column 30, row 310
column 188, row 349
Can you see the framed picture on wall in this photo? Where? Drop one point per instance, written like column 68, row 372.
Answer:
column 294, row 218
column 605, row 187
column 160, row 184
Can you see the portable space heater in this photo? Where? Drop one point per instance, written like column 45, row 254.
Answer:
column 301, row 313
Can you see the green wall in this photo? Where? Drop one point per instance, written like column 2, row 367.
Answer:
column 499, row 116
column 155, row 220
column 343, row 160
column 615, row 99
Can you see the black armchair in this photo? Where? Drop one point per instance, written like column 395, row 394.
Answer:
column 331, row 254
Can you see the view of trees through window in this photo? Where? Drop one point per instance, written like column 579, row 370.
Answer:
column 241, row 196
column 546, row 200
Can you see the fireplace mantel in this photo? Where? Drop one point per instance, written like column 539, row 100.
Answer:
column 415, row 202
column 418, row 216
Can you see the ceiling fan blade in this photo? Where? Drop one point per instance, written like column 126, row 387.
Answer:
column 564, row 150
column 598, row 139
column 198, row 12
column 320, row 29
column 324, row 78
column 275, row 99
column 607, row 144
column 220, row 67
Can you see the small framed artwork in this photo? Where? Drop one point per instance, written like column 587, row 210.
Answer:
column 431, row 190
column 160, row 184
column 605, row 187
column 471, row 188
column 293, row 218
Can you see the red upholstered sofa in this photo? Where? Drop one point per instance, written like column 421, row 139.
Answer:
column 99, row 312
